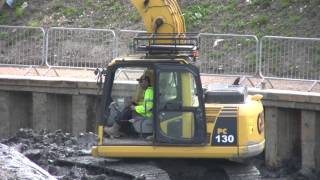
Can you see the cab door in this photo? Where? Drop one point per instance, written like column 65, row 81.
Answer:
column 179, row 112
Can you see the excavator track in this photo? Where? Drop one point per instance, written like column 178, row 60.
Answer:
column 239, row 171
column 151, row 169
column 130, row 169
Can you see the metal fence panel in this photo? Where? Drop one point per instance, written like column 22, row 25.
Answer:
column 21, row 46
column 125, row 41
column 80, row 47
column 290, row 57
column 229, row 54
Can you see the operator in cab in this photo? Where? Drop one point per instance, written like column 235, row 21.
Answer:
column 134, row 113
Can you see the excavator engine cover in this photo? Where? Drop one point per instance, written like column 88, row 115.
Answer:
column 226, row 94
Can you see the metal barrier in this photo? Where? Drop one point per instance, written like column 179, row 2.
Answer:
column 125, row 41
column 79, row 47
column 22, row 46
column 290, row 58
column 229, row 54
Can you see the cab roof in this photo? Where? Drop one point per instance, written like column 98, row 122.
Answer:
column 143, row 59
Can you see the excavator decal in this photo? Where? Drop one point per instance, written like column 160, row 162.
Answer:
column 225, row 132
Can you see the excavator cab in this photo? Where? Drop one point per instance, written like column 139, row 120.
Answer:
column 178, row 107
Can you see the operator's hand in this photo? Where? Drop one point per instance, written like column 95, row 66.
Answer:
column 133, row 107
column 130, row 103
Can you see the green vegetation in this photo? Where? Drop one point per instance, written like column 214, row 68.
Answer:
column 262, row 3
column 259, row 21
column 4, row 35
column 88, row 3
column 196, row 15
column 286, row 3
column 34, row 23
column 134, row 16
column 259, row 17
column 19, row 11
column 294, row 18
column 57, row 5
column 4, row 15
column 70, row 11
column 216, row 54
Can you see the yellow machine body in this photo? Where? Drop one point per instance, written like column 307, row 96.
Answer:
column 233, row 130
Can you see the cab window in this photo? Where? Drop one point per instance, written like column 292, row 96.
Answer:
column 177, row 94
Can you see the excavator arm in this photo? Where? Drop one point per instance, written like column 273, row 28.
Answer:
column 161, row 16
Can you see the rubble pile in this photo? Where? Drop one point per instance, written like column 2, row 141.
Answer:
column 14, row 165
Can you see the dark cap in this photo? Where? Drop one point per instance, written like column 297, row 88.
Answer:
column 144, row 78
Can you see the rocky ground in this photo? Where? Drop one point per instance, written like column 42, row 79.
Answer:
column 44, row 148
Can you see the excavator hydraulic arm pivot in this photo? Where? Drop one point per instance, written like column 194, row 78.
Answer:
column 161, row 16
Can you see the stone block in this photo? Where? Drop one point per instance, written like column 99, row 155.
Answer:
column 39, row 111
column 4, row 114
column 79, row 113
column 310, row 140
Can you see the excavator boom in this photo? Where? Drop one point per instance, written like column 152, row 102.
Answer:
column 161, row 16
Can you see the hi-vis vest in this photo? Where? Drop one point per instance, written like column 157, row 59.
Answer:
column 145, row 109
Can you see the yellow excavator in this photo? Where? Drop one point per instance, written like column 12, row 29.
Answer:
column 188, row 120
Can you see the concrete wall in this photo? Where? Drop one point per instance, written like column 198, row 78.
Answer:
column 15, row 111
column 292, row 128
column 70, row 106
column 292, row 118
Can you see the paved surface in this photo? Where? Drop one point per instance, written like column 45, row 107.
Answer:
column 88, row 75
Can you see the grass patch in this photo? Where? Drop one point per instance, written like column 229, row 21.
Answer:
column 196, row 14
column 216, row 54
column 19, row 11
column 70, row 11
column 116, row 7
column 4, row 35
column 4, row 15
column 262, row 3
column 286, row 3
column 259, row 21
column 134, row 16
column 58, row 5
column 88, row 3
column 34, row 23
column 294, row 18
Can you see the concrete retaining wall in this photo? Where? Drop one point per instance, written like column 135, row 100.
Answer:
column 47, row 104
column 292, row 118
column 292, row 128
